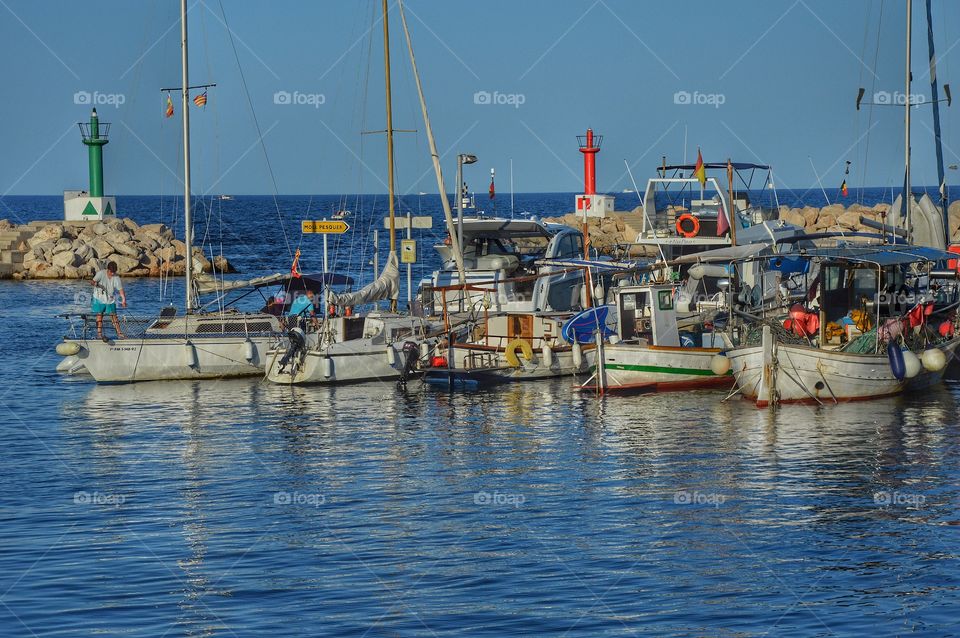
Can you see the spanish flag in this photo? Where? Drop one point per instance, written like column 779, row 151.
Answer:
column 700, row 171
column 843, row 188
column 201, row 100
column 169, row 111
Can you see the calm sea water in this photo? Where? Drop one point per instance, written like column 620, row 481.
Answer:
column 237, row 508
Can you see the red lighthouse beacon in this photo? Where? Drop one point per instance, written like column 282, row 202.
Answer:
column 589, row 203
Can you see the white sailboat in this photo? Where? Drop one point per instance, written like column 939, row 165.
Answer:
column 366, row 348
column 195, row 345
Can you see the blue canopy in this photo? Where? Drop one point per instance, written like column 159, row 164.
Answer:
column 737, row 166
column 885, row 255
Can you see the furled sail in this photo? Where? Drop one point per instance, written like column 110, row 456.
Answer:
column 207, row 284
column 386, row 286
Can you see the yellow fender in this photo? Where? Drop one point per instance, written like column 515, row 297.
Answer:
column 511, row 352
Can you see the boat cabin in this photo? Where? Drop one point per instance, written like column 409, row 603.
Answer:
column 506, row 263
column 647, row 314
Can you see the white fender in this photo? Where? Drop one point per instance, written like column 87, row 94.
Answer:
column 249, row 350
column 577, row 356
column 934, row 359
column 547, row 353
column 911, row 364
column 391, row 356
column 190, row 355
column 720, row 364
column 326, row 366
column 68, row 348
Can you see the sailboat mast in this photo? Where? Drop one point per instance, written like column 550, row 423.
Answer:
column 435, row 156
column 907, row 197
column 935, row 99
column 185, row 102
column 390, row 177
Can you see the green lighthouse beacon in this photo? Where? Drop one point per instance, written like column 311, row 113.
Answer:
column 91, row 205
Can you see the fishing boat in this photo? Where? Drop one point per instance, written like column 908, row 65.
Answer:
column 649, row 352
column 696, row 217
column 876, row 328
column 197, row 344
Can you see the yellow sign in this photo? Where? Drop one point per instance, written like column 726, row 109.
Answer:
column 306, row 226
column 325, row 227
column 408, row 251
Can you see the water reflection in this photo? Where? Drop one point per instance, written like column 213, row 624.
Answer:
column 655, row 494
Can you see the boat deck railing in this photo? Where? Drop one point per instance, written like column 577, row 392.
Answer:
column 165, row 326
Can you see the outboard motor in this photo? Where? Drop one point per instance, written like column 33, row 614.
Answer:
column 411, row 354
column 296, row 349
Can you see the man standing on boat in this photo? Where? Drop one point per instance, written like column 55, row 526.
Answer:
column 106, row 288
column 304, row 306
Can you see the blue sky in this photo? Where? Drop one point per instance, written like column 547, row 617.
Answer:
column 771, row 82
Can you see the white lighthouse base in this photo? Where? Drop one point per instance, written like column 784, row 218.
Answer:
column 594, row 205
column 78, row 206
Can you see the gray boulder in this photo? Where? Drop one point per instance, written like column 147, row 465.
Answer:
column 129, row 250
column 43, row 270
column 62, row 245
column 101, row 247
column 83, row 251
column 50, row 233
column 157, row 229
column 124, row 264
column 65, row 259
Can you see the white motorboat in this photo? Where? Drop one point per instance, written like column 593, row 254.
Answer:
column 509, row 347
column 507, row 268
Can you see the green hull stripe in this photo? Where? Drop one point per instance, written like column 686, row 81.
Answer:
column 661, row 369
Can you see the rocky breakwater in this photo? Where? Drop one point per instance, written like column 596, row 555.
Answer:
column 608, row 235
column 836, row 218
column 65, row 250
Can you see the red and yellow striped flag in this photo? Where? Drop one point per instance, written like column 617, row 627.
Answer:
column 169, row 111
column 201, row 100
column 700, row 171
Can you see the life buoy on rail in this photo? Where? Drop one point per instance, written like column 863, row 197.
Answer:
column 511, row 352
column 694, row 229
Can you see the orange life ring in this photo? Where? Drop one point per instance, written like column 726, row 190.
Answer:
column 693, row 232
